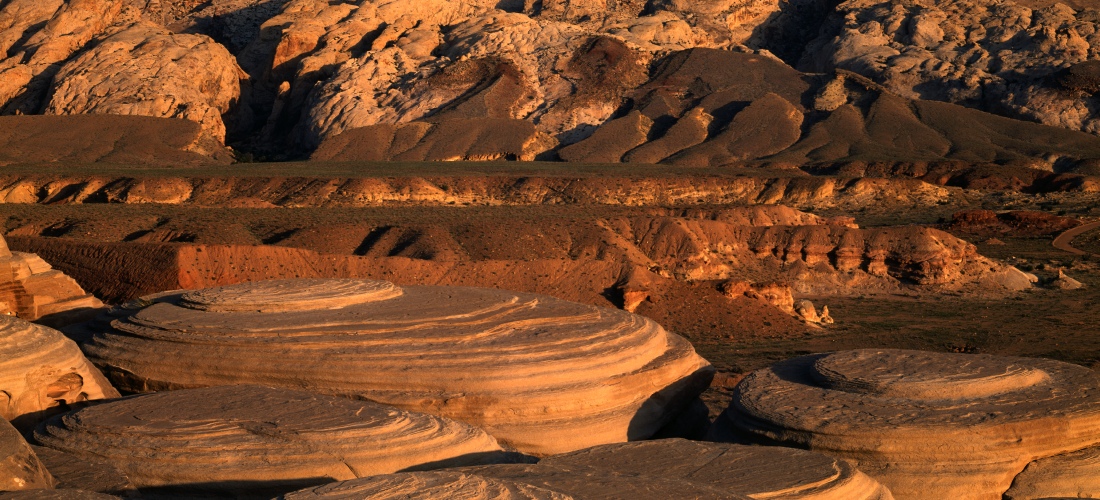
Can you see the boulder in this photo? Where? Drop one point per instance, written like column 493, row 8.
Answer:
column 34, row 291
column 255, row 442
column 669, row 468
column 541, row 374
column 147, row 70
column 926, row 425
column 20, row 468
column 43, row 372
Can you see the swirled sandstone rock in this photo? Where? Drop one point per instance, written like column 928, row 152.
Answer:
column 924, row 424
column 149, row 71
column 538, row 373
column 32, row 290
column 254, row 441
column 20, row 468
column 72, row 472
column 42, row 371
column 670, row 468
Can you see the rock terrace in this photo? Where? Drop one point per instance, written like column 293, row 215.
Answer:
column 926, row 424
column 32, row 290
column 642, row 470
column 541, row 374
column 256, row 442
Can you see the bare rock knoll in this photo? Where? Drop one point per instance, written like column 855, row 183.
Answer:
column 928, row 424
column 255, row 442
column 538, row 373
column 42, row 372
column 32, row 290
column 672, row 468
column 20, row 469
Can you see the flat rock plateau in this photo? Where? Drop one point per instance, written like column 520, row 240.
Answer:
column 560, row 249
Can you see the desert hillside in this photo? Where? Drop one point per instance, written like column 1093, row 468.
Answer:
column 681, row 82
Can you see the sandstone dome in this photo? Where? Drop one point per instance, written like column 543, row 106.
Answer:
column 42, row 371
column 253, row 441
column 669, row 468
column 541, row 374
column 927, row 425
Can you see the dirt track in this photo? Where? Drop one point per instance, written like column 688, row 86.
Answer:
column 1064, row 240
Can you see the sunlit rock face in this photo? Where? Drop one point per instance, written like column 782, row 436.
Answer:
column 43, row 372
column 926, row 424
column 672, row 468
column 541, row 374
column 32, row 290
column 257, row 442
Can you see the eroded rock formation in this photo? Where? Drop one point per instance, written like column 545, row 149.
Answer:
column 929, row 424
column 42, row 372
column 541, row 374
column 998, row 56
column 32, row 290
column 256, row 442
column 20, row 468
column 645, row 470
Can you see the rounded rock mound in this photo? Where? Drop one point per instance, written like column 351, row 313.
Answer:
column 541, row 374
column 256, row 442
column 671, row 468
column 924, row 424
column 42, row 372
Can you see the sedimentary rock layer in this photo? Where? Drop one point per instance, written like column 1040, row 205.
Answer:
column 673, row 468
column 42, row 371
column 31, row 289
column 254, row 441
column 924, row 424
column 20, row 469
column 542, row 374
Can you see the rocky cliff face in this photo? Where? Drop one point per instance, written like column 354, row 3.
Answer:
column 675, row 81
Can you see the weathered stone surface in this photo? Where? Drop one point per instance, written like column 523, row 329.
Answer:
column 41, row 372
column 924, row 424
column 670, row 468
column 1072, row 475
column 20, row 469
column 32, row 290
column 541, row 374
column 997, row 56
column 147, row 70
column 256, row 442
column 72, row 472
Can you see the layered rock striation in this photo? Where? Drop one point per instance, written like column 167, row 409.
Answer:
column 32, row 290
column 644, row 470
column 541, row 374
column 928, row 424
column 255, row 442
column 43, row 372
